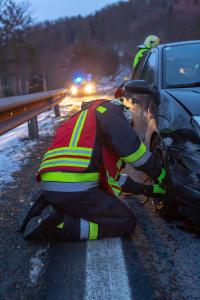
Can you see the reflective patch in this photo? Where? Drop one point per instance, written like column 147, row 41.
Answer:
column 61, row 226
column 136, row 155
column 157, row 189
column 101, row 109
column 67, row 186
column 70, row 177
column 69, row 151
column 122, row 179
column 142, row 160
column 84, row 229
column 79, row 162
column 119, row 163
column 93, row 231
column 78, row 129
column 162, row 176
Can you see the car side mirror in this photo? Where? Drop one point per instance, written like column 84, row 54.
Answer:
column 138, row 87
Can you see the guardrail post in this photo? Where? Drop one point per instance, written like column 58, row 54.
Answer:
column 57, row 111
column 33, row 128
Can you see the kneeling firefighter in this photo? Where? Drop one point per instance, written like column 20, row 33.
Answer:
column 81, row 176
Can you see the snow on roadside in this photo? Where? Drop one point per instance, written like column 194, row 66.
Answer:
column 106, row 83
column 15, row 147
column 36, row 265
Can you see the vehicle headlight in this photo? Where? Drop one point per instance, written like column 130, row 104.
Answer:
column 196, row 124
column 74, row 90
column 89, row 88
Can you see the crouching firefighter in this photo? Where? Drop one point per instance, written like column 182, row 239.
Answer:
column 81, row 177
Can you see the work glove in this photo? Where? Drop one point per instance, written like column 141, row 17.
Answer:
column 155, row 190
column 162, row 177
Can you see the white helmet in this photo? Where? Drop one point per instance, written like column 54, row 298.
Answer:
column 151, row 41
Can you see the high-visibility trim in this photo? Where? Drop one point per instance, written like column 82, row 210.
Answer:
column 157, row 189
column 116, row 190
column 78, row 162
column 136, row 155
column 84, row 229
column 78, row 129
column 101, row 109
column 93, row 235
column 122, row 179
column 67, row 187
column 69, row 151
column 162, row 176
column 119, row 163
column 61, row 226
column 138, row 56
column 114, row 184
column 142, row 160
column 69, row 177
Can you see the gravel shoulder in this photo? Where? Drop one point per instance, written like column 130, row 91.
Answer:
column 18, row 257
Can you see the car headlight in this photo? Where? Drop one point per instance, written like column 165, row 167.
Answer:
column 89, row 88
column 74, row 90
column 196, row 124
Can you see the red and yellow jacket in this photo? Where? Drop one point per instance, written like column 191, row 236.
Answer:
column 72, row 156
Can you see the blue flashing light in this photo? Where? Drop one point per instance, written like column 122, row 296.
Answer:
column 78, row 79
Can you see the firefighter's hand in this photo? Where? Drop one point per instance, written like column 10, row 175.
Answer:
column 155, row 190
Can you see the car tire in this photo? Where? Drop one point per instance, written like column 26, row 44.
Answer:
column 166, row 207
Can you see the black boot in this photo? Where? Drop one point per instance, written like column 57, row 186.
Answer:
column 34, row 208
column 44, row 225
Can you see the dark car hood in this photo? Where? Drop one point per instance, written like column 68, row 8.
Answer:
column 189, row 98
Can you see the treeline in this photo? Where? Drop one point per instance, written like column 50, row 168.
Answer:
column 95, row 44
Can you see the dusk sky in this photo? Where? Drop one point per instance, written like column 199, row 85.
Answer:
column 53, row 9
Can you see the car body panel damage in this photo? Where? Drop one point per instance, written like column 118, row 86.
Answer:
column 183, row 164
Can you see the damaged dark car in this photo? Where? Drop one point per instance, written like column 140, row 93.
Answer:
column 164, row 98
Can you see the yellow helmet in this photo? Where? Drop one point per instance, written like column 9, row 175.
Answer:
column 151, row 41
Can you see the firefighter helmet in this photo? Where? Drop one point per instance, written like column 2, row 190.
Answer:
column 151, row 41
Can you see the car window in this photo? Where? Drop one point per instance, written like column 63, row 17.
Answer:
column 149, row 71
column 181, row 64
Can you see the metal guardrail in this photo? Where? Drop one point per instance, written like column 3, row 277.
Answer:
column 16, row 110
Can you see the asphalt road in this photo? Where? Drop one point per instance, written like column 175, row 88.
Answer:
column 160, row 262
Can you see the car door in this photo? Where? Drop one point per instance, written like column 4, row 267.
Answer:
column 140, row 103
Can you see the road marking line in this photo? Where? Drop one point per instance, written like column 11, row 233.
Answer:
column 106, row 274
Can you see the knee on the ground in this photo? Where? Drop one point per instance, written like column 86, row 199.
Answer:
column 130, row 224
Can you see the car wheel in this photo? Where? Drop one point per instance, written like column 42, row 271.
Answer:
column 165, row 206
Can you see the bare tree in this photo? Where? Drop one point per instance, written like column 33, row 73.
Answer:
column 14, row 19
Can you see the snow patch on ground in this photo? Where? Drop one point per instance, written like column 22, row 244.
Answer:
column 36, row 265
column 15, row 147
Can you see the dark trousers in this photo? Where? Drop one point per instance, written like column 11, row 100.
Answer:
column 113, row 216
